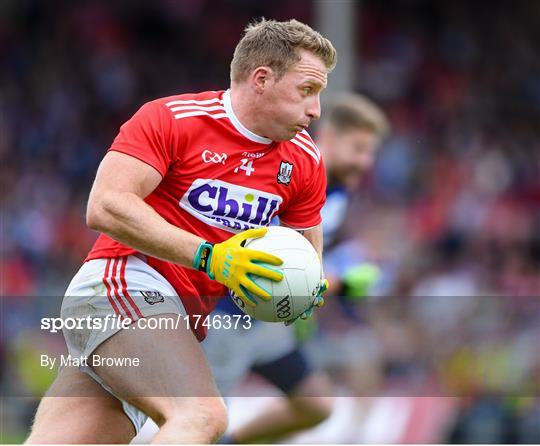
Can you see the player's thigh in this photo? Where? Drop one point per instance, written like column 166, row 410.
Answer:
column 78, row 410
column 172, row 376
column 309, row 391
column 314, row 384
column 313, row 396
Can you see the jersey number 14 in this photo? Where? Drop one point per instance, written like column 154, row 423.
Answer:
column 246, row 166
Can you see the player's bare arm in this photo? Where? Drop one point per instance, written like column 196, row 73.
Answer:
column 315, row 236
column 117, row 208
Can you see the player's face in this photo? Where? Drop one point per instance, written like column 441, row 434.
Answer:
column 350, row 154
column 293, row 101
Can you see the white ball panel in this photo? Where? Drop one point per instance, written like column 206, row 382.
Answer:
column 302, row 272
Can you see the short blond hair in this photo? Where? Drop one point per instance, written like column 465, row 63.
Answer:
column 349, row 111
column 275, row 44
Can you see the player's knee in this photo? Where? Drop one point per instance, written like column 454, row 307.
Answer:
column 207, row 417
column 314, row 410
column 322, row 408
column 38, row 430
column 220, row 420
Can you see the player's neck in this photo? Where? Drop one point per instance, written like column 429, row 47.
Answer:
column 246, row 109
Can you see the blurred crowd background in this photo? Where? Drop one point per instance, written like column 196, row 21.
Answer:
column 450, row 213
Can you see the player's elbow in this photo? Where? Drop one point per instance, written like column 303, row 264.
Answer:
column 97, row 217
column 94, row 217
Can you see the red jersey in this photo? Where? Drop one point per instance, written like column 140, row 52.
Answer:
column 219, row 178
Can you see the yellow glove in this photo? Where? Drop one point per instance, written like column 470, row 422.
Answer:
column 232, row 265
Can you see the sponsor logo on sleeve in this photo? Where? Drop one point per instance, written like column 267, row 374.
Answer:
column 228, row 206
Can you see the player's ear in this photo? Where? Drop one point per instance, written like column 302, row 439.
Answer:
column 260, row 78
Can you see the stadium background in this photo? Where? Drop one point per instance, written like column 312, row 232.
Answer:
column 450, row 212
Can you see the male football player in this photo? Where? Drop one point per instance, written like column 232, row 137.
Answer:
column 184, row 175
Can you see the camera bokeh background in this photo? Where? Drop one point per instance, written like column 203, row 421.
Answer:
column 450, row 213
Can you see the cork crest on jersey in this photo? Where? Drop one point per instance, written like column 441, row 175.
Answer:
column 228, row 206
column 285, row 173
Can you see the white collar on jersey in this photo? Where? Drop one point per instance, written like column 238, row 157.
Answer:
column 238, row 125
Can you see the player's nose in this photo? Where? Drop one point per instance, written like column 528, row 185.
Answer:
column 364, row 161
column 314, row 108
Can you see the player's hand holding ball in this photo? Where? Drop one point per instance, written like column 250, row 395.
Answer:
column 301, row 287
column 317, row 303
column 232, row 265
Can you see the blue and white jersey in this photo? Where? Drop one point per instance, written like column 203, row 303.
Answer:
column 338, row 258
column 333, row 213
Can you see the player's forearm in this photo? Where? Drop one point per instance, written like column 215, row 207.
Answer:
column 127, row 218
column 315, row 236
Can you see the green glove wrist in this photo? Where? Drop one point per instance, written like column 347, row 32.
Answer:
column 233, row 265
column 203, row 257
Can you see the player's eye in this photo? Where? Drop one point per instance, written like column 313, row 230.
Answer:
column 307, row 90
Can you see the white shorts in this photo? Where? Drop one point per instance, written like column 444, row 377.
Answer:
column 232, row 353
column 124, row 286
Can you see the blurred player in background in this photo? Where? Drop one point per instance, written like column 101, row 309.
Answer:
column 350, row 132
column 349, row 136
column 184, row 174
